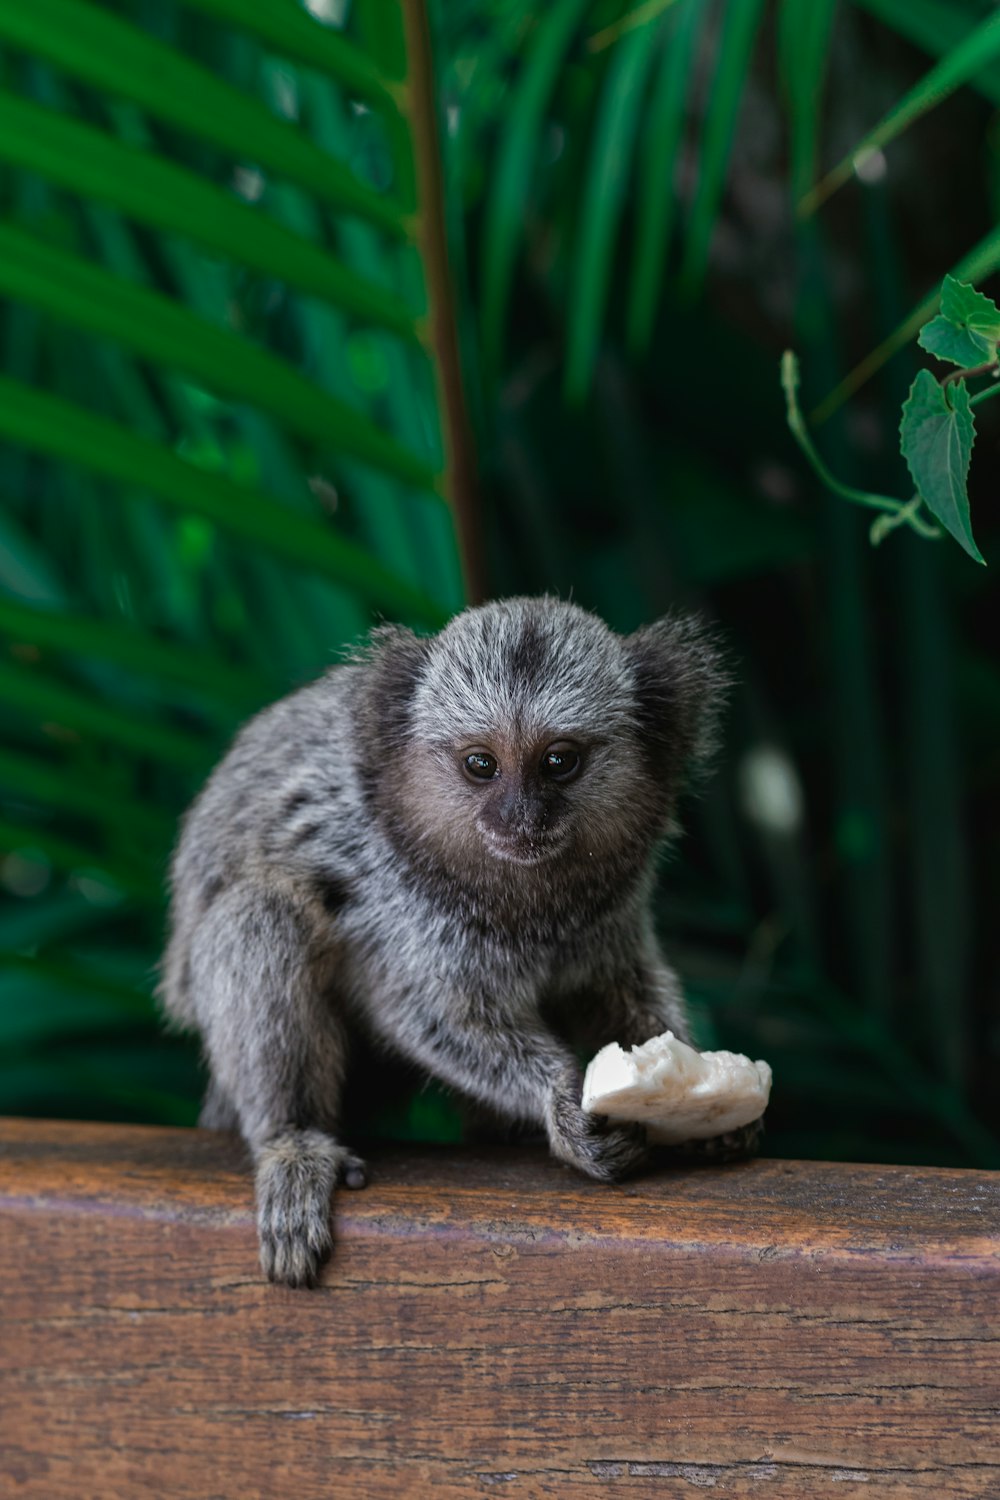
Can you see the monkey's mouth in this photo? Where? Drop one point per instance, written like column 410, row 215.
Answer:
column 520, row 849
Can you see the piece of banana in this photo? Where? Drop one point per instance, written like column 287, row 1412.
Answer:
column 677, row 1093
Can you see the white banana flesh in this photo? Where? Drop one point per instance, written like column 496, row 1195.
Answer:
column 677, row 1093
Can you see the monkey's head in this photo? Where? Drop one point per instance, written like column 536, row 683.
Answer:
column 528, row 740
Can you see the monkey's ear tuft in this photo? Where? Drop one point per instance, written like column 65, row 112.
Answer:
column 681, row 682
column 393, row 659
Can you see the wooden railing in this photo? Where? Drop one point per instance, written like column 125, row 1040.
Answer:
column 492, row 1325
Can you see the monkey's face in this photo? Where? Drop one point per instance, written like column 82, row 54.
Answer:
column 521, row 807
column 529, row 735
column 531, row 796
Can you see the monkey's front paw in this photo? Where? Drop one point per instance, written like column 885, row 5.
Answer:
column 296, row 1174
column 295, row 1239
column 592, row 1145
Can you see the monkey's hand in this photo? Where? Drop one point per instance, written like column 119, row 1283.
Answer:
column 591, row 1144
column 296, row 1174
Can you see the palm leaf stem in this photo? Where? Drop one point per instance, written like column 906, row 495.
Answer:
column 461, row 477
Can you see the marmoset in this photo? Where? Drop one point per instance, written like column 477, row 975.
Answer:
column 444, row 847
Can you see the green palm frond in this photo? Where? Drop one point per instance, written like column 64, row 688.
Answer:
column 232, row 435
column 231, row 424
column 662, row 87
column 644, row 75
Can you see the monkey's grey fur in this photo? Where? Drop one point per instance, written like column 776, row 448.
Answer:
column 343, row 876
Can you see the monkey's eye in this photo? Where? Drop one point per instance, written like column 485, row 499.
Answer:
column 480, row 765
column 560, row 762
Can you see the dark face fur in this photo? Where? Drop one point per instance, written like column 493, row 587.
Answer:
column 534, row 750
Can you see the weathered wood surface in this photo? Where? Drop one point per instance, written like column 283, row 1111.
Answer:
column 492, row 1325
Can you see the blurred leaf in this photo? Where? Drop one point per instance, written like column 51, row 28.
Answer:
column 604, row 196
column 79, row 790
column 722, row 532
column 511, row 177
column 157, row 192
column 938, row 26
column 381, row 29
column 74, row 858
column 738, row 34
column 659, row 146
column 804, row 31
column 49, row 425
column 159, row 329
column 44, row 698
column 290, row 29
column 24, row 570
column 42, row 996
column 130, row 647
column 936, row 434
column 117, row 1076
column 961, row 63
column 110, row 54
column 934, row 776
column 53, row 917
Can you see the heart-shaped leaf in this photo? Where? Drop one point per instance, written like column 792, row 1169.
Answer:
column 936, row 434
column 962, row 305
column 968, row 329
column 960, row 346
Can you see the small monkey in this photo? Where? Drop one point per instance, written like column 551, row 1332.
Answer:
column 443, row 848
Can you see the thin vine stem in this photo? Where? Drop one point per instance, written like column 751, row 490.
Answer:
column 882, row 525
column 896, row 512
column 984, row 395
column 989, row 367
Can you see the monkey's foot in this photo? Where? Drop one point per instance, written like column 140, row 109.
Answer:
column 733, row 1145
column 296, row 1175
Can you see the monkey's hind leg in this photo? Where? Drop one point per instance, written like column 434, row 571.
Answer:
column 277, row 1051
column 217, row 1111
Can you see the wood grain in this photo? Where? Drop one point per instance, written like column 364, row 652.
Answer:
column 492, row 1325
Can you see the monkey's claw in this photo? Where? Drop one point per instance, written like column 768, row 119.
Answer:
column 353, row 1172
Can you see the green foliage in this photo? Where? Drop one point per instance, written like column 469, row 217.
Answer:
column 601, row 209
column 968, row 59
column 896, row 512
column 937, row 428
column 936, row 434
column 955, row 342
column 967, row 330
column 739, row 24
column 636, row 74
column 109, row 54
column 215, row 334
column 222, row 456
column 156, row 192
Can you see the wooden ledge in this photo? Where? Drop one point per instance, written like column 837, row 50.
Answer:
column 492, row 1325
